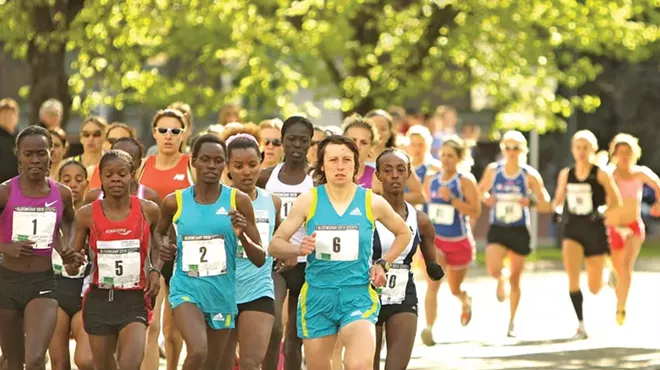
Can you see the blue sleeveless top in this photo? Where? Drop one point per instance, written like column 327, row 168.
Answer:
column 508, row 191
column 206, row 257
column 254, row 282
column 449, row 224
column 343, row 242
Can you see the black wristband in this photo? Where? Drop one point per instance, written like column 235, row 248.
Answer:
column 435, row 271
column 153, row 269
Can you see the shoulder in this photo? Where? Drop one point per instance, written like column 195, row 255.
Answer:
column 4, row 192
column 532, row 172
column 84, row 214
column 92, row 195
column 170, row 202
column 65, row 192
column 642, row 171
column 423, row 221
column 150, row 209
column 264, row 175
column 467, row 177
column 276, row 200
column 151, row 194
column 493, row 166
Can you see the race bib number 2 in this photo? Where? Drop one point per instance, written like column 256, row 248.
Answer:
column 204, row 255
column 337, row 242
column 119, row 263
column 36, row 224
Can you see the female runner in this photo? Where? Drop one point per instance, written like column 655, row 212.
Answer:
column 35, row 210
column 337, row 298
column 364, row 135
column 92, row 135
column 288, row 180
column 585, row 189
column 70, row 288
column 254, row 285
column 210, row 219
column 399, row 296
column 627, row 232
column 454, row 200
column 511, row 183
column 60, row 147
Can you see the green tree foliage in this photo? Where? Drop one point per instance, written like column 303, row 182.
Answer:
column 354, row 54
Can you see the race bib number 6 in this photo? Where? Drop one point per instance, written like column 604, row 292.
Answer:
column 119, row 263
column 204, row 255
column 36, row 224
column 337, row 242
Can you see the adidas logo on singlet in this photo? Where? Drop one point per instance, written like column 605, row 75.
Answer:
column 180, row 177
column 356, row 212
column 218, row 317
column 221, row 211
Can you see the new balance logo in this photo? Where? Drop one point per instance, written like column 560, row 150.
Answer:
column 221, row 211
column 356, row 212
column 180, row 177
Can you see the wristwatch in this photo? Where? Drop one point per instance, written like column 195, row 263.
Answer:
column 384, row 264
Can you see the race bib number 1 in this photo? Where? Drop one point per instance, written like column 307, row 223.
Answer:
column 119, row 263
column 287, row 202
column 36, row 224
column 337, row 242
column 394, row 291
column 204, row 255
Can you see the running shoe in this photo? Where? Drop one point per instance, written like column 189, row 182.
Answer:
column 511, row 333
column 580, row 334
column 466, row 315
column 427, row 337
column 621, row 316
column 501, row 291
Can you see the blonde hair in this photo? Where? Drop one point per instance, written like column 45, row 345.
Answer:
column 625, row 139
column 356, row 120
column 588, row 136
column 421, row 131
column 9, row 104
column 225, row 111
column 99, row 121
column 465, row 160
column 518, row 137
column 271, row 123
column 51, row 105
column 248, row 128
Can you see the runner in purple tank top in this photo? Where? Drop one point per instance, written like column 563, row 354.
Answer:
column 34, row 211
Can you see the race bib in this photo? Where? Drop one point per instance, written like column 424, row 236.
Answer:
column 287, row 202
column 508, row 208
column 394, row 291
column 119, row 263
column 263, row 226
column 204, row 255
column 36, row 224
column 337, row 242
column 58, row 267
column 441, row 214
column 578, row 199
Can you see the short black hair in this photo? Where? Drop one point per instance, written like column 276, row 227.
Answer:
column 207, row 138
column 34, row 131
column 395, row 151
column 71, row 162
column 116, row 154
column 128, row 139
column 243, row 143
column 295, row 120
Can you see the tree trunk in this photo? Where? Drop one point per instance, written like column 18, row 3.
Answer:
column 48, row 79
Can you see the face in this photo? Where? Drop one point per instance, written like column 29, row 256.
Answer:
column 76, row 179
column 272, row 140
column 582, row 150
column 34, row 157
column 58, row 151
column 51, row 120
column 338, row 164
column 116, row 177
column 210, row 163
column 383, row 128
column 296, row 142
column 91, row 137
column 244, row 168
column 132, row 150
column 512, row 150
column 417, row 148
column 314, row 146
column 362, row 138
column 231, row 116
column 393, row 171
column 113, row 135
column 9, row 117
column 624, row 154
column 449, row 158
column 169, row 135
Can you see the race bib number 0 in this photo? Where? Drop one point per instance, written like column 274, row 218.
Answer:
column 337, row 242
column 441, row 214
column 578, row 199
column 58, row 267
column 36, row 224
column 119, row 263
column 508, row 208
column 287, row 202
column 204, row 255
column 263, row 226
column 394, row 291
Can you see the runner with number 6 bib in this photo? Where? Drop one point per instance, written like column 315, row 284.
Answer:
column 117, row 306
column 512, row 184
column 398, row 313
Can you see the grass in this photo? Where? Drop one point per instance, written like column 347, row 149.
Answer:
column 651, row 248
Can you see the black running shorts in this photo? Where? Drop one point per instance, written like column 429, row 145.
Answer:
column 17, row 288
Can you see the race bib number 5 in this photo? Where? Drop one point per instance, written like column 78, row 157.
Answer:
column 36, row 224
column 204, row 255
column 119, row 263
column 337, row 242
column 394, row 291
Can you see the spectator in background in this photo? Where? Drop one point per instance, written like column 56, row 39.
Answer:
column 229, row 113
column 60, row 146
column 50, row 115
column 398, row 119
column 271, row 137
column 444, row 124
column 8, row 121
column 319, row 134
column 92, row 136
column 115, row 131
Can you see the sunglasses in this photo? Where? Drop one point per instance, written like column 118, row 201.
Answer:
column 173, row 131
column 94, row 134
column 512, row 148
column 274, row 142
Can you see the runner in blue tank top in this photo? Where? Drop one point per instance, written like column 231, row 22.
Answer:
column 339, row 217
column 254, row 285
column 507, row 188
column 210, row 220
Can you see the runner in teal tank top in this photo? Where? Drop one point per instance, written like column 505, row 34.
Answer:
column 338, row 296
column 210, row 220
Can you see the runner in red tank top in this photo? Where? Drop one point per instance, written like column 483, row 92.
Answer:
column 117, row 306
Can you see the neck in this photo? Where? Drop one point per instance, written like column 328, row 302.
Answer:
column 251, row 190
column 448, row 173
column 207, row 191
column 294, row 166
column 78, row 203
column 5, row 125
column 512, row 166
column 582, row 165
column 134, row 186
column 117, row 204
column 167, row 160
column 340, row 192
column 30, row 183
column 397, row 201
column 416, row 161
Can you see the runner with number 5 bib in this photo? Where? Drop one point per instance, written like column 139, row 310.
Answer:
column 398, row 313
column 338, row 298
column 117, row 306
column 454, row 200
column 511, row 183
column 210, row 219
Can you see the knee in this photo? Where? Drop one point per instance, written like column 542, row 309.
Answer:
column 250, row 362
column 456, row 290
column 196, row 356
column 359, row 363
column 595, row 286
column 494, row 270
column 84, row 362
column 129, row 362
column 35, row 361
column 514, row 281
column 154, row 329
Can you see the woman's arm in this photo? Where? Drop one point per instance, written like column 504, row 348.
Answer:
column 279, row 246
column 383, row 212
column 538, row 189
column 161, row 235
column 249, row 235
column 471, row 206
column 612, row 194
column 486, row 184
column 427, row 246
column 560, row 191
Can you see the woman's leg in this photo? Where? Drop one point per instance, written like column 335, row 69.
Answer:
column 216, row 339
column 431, row 303
column 359, row 339
column 82, row 357
column 132, row 339
column 271, row 360
column 40, row 319
column 152, row 353
column 495, row 254
column 190, row 319
column 337, row 355
column 103, row 351
column 254, row 332
column 624, row 263
column 318, row 352
column 58, row 350
column 517, row 265
column 379, row 346
column 292, row 344
column 400, row 332
column 456, row 278
column 573, row 256
column 11, row 328
column 173, row 339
